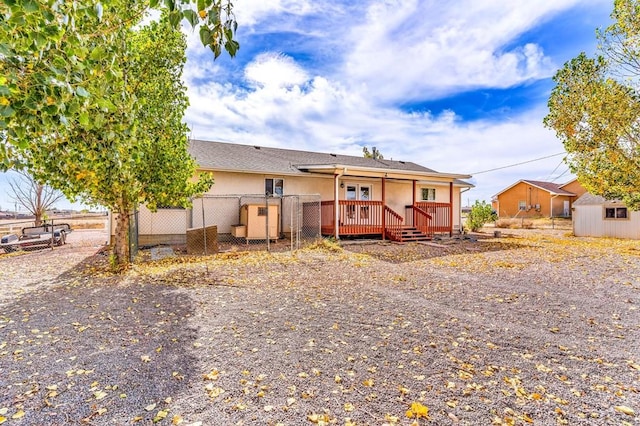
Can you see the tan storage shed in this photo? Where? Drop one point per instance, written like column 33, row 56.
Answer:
column 254, row 218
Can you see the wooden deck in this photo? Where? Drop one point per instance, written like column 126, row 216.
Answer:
column 421, row 221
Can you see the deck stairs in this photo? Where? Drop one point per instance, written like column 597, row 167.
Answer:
column 410, row 234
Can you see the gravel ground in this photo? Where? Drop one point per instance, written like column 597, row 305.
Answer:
column 532, row 328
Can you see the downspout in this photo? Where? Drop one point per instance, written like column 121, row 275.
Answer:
column 460, row 209
column 551, row 206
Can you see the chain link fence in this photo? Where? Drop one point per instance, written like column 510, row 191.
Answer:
column 232, row 222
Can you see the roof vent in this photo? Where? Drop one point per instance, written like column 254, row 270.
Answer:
column 333, row 155
column 401, row 162
column 256, row 147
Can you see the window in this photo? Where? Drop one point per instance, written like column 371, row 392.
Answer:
column 274, row 187
column 262, row 211
column 428, row 194
column 522, row 205
column 615, row 213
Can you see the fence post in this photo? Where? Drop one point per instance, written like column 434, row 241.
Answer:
column 266, row 202
column 204, row 228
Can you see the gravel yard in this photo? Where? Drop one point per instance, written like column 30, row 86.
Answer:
column 532, row 328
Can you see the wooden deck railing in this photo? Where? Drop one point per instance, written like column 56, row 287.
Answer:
column 393, row 224
column 440, row 216
column 365, row 218
column 355, row 217
column 420, row 219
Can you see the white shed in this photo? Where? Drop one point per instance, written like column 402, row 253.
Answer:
column 594, row 216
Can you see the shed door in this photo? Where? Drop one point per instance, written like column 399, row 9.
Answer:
column 565, row 210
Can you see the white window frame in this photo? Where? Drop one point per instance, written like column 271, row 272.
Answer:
column 431, row 194
column 274, row 186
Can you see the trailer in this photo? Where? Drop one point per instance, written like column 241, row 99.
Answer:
column 36, row 237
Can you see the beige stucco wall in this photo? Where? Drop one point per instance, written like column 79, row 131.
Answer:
column 224, row 212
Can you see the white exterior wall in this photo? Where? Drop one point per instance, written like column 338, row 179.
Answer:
column 589, row 221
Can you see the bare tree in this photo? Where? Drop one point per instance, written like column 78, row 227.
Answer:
column 33, row 196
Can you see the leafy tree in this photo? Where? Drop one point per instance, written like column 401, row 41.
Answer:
column 134, row 149
column 374, row 153
column 34, row 196
column 53, row 51
column 94, row 108
column 595, row 110
column 480, row 214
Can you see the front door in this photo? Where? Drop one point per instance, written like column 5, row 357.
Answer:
column 358, row 214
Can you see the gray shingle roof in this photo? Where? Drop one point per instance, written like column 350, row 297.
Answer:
column 588, row 199
column 228, row 156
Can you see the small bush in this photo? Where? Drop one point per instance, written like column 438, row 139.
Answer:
column 514, row 223
column 480, row 213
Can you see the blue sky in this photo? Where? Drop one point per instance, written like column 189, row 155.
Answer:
column 457, row 86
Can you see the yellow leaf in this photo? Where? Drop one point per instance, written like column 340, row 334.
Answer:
column 368, row 382
column 150, row 407
column 177, row 419
column 348, row 407
column 18, row 415
column 145, row 358
column 99, row 394
column 417, row 410
column 211, row 376
column 625, row 410
column 337, row 379
column 161, row 415
column 2, row 419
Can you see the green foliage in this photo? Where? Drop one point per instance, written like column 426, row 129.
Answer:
column 480, row 214
column 94, row 108
column 374, row 153
column 53, row 52
column 595, row 110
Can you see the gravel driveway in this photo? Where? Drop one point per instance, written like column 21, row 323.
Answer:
column 531, row 328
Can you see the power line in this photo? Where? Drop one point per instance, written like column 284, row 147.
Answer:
column 518, row 164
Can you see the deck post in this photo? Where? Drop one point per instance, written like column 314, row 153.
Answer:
column 384, row 206
column 336, row 207
column 413, row 202
column 450, row 209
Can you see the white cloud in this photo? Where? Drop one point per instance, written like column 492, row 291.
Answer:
column 275, row 70
column 409, row 49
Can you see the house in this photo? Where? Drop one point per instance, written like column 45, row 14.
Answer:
column 533, row 198
column 594, row 216
column 343, row 195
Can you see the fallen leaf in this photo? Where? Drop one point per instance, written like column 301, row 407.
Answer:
column 625, row 410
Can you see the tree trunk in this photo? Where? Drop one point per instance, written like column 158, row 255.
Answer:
column 121, row 243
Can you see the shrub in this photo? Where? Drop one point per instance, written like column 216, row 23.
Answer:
column 480, row 213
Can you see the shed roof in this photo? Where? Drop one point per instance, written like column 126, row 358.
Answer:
column 588, row 199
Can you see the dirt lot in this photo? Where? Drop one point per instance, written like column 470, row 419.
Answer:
column 532, row 328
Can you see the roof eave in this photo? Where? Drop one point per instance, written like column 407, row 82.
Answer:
column 347, row 170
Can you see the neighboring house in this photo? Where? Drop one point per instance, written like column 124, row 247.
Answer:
column 594, row 216
column 390, row 199
column 533, row 198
